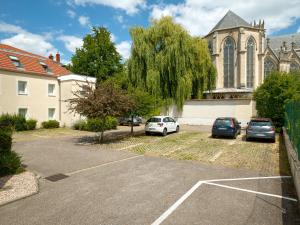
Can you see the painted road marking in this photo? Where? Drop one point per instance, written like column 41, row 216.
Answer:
column 173, row 207
column 104, row 164
column 217, row 155
column 250, row 191
column 176, row 204
column 131, row 146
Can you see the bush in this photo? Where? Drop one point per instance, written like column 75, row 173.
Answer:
column 80, row 125
column 16, row 121
column 112, row 123
column 5, row 139
column 10, row 163
column 50, row 124
column 31, row 124
column 277, row 89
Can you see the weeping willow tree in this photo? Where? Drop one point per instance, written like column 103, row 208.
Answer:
column 169, row 63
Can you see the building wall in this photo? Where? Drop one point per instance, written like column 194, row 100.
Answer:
column 36, row 100
column 204, row 112
column 240, row 37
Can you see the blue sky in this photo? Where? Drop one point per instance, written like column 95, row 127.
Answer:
column 48, row 26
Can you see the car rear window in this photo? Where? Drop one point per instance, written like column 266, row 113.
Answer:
column 223, row 122
column 154, row 120
column 260, row 123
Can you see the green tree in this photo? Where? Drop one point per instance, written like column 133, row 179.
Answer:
column 100, row 103
column 145, row 104
column 98, row 56
column 169, row 63
column 271, row 97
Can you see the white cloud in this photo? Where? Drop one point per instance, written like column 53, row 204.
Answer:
column 84, row 21
column 71, row 42
column 71, row 13
column 27, row 41
column 298, row 31
column 119, row 18
column 200, row 16
column 113, row 37
column 124, row 49
column 129, row 6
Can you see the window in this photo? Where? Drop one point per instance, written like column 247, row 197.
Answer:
column 84, row 89
column 228, row 63
column 51, row 113
column 45, row 67
column 51, row 89
column 22, row 112
column 270, row 66
column 16, row 61
column 250, row 62
column 22, row 87
column 294, row 67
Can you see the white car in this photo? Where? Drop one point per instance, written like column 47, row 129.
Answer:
column 161, row 124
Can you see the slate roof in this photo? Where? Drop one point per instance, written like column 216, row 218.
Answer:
column 230, row 20
column 276, row 42
column 31, row 62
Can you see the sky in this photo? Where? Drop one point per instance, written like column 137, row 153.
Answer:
column 48, row 26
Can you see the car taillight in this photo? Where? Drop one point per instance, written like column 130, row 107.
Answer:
column 232, row 124
column 160, row 124
column 272, row 129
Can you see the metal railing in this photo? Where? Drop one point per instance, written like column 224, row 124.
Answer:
column 292, row 123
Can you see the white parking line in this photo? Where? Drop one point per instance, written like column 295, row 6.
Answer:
column 104, row 164
column 250, row 191
column 173, row 207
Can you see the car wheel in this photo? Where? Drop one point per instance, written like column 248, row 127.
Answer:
column 213, row 136
column 177, row 129
column 147, row 133
column 165, row 132
column 273, row 140
column 247, row 139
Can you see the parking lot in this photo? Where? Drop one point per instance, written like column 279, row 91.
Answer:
column 184, row 178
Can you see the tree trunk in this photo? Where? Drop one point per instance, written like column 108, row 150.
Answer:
column 101, row 136
column 131, row 125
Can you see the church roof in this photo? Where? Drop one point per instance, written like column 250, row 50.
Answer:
column 230, row 20
column 277, row 41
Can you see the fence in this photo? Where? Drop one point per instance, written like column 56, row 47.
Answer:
column 292, row 123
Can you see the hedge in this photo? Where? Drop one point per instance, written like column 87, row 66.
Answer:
column 50, row 124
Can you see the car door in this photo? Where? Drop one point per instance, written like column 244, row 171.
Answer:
column 172, row 124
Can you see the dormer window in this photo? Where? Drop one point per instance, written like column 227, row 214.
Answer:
column 46, row 68
column 16, row 61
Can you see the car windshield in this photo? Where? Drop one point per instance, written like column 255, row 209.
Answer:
column 223, row 122
column 154, row 120
column 260, row 123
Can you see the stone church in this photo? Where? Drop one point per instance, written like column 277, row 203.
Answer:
column 244, row 57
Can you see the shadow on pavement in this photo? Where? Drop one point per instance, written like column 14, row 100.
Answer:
column 290, row 214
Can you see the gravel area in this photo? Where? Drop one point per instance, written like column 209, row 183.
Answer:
column 17, row 187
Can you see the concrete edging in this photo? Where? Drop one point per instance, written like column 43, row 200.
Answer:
column 294, row 163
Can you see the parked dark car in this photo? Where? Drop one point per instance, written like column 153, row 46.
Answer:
column 226, row 126
column 127, row 121
column 260, row 128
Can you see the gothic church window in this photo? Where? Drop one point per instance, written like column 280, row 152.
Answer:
column 294, row 67
column 270, row 66
column 250, row 62
column 228, row 63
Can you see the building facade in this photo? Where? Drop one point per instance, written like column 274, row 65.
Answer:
column 37, row 87
column 244, row 57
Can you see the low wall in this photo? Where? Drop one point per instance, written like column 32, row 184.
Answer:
column 204, row 112
column 294, row 163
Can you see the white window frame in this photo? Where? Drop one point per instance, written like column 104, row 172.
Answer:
column 53, row 94
column 26, row 111
column 54, row 112
column 26, row 87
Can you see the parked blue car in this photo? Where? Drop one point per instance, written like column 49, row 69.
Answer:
column 226, row 127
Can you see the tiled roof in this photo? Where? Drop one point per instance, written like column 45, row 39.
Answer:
column 277, row 41
column 29, row 61
column 230, row 20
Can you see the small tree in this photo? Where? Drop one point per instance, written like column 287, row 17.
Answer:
column 271, row 96
column 145, row 104
column 100, row 103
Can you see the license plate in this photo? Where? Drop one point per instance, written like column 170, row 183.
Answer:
column 151, row 128
column 260, row 135
column 221, row 128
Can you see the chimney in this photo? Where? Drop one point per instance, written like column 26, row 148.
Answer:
column 50, row 57
column 57, row 57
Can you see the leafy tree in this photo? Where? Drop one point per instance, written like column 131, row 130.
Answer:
column 168, row 63
column 271, row 96
column 145, row 104
column 101, row 103
column 98, row 56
